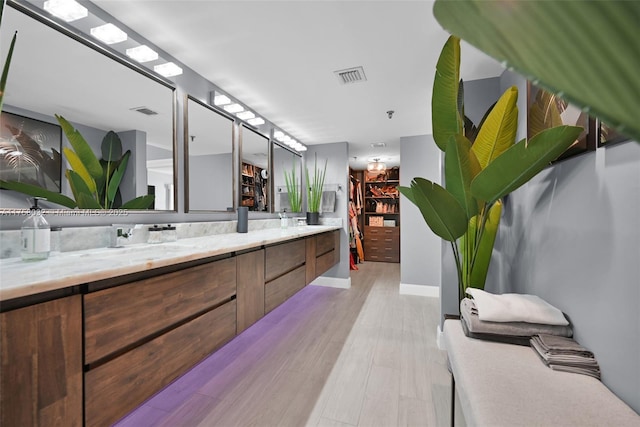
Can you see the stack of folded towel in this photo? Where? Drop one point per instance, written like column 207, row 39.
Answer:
column 511, row 318
column 565, row 354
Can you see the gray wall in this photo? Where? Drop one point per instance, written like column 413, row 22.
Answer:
column 571, row 236
column 210, row 182
column 420, row 250
column 337, row 156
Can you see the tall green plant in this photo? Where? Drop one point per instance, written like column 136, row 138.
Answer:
column 479, row 174
column 294, row 189
column 94, row 183
column 315, row 186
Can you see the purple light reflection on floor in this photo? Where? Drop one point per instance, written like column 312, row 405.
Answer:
column 255, row 342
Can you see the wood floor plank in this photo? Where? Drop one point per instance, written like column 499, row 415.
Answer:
column 326, row 357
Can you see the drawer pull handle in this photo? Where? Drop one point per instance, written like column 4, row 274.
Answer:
column 388, row 240
column 388, row 249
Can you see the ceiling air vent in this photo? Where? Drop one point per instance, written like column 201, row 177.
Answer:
column 145, row 110
column 351, row 75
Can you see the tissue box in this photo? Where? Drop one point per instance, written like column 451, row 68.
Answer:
column 376, row 221
column 389, row 222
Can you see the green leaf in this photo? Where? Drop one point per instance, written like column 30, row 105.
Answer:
column 522, row 162
column 543, row 113
column 141, row 202
column 5, row 70
column 33, row 190
column 440, row 210
column 111, row 147
column 83, row 195
column 480, row 268
column 585, row 50
column 408, row 193
column 498, row 132
column 460, row 167
column 78, row 167
column 114, row 183
column 82, row 149
column 445, row 117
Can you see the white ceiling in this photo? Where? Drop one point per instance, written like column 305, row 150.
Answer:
column 278, row 57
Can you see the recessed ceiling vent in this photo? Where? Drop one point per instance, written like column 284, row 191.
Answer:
column 145, row 110
column 351, row 75
column 378, row 145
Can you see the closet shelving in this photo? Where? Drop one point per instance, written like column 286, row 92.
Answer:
column 382, row 217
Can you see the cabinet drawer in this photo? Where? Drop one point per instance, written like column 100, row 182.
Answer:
column 381, row 231
column 324, row 243
column 325, row 262
column 119, row 317
column 383, row 240
column 382, row 257
column 120, row 385
column 279, row 290
column 283, row 258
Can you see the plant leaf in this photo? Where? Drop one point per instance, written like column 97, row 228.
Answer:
column 7, row 64
column 83, row 195
column 33, row 190
column 498, row 132
column 445, row 117
column 552, row 43
column 460, row 168
column 111, row 147
column 522, row 162
column 78, row 167
column 83, row 150
column 141, row 202
column 440, row 210
column 114, row 183
column 480, row 268
column 408, row 193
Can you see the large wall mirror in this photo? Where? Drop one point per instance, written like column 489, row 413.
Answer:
column 291, row 163
column 255, row 184
column 53, row 73
column 209, row 158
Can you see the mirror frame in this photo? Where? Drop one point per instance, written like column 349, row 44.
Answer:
column 187, row 98
column 269, row 141
column 295, row 153
column 33, row 12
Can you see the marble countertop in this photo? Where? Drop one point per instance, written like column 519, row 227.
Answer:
column 20, row 278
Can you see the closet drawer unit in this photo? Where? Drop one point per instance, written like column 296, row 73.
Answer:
column 382, row 255
column 282, row 258
column 281, row 289
column 120, row 385
column 381, row 231
column 382, row 244
column 119, row 317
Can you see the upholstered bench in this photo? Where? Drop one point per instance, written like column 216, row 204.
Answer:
column 508, row 385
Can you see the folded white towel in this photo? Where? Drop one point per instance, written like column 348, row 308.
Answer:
column 515, row 308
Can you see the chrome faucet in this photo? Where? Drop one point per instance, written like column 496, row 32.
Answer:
column 120, row 233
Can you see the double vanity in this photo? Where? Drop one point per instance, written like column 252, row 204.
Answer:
column 88, row 336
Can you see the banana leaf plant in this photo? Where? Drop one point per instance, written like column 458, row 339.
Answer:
column 94, row 183
column 477, row 175
column 294, row 189
column 552, row 44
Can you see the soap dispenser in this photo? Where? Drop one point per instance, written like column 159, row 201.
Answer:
column 284, row 221
column 35, row 234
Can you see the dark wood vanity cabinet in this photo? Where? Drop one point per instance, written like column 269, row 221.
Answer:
column 41, row 376
column 139, row 333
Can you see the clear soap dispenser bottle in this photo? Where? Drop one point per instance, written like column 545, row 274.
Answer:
column 284, row 221
column 35, row 234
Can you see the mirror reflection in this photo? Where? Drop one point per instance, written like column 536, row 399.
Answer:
column 52, row 73
column 254, row 185
column 286, row 163
column 209, row 154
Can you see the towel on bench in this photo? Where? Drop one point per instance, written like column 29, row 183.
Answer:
column 565, row 354
column 510, row 332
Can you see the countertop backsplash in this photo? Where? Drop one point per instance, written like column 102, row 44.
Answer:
column 83, row 238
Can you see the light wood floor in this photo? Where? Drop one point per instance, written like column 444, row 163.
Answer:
column 365, row 356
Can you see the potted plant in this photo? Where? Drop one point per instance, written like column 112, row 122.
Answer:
column 294, row 189
column 479, row 174
column 315, row 185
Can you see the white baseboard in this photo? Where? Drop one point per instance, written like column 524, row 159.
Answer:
column 332, row 282
column 439, row 340
column 419, row 290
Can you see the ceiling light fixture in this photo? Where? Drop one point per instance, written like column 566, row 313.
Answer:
column 221, row 100
column 376, row 166
column 278, row 135
column 109, row 34
column 256, row 121
column 67, row 10
column 168, row 69
column 302, row 148
column 233, row 108
column 142, row 53
column 245, row 115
